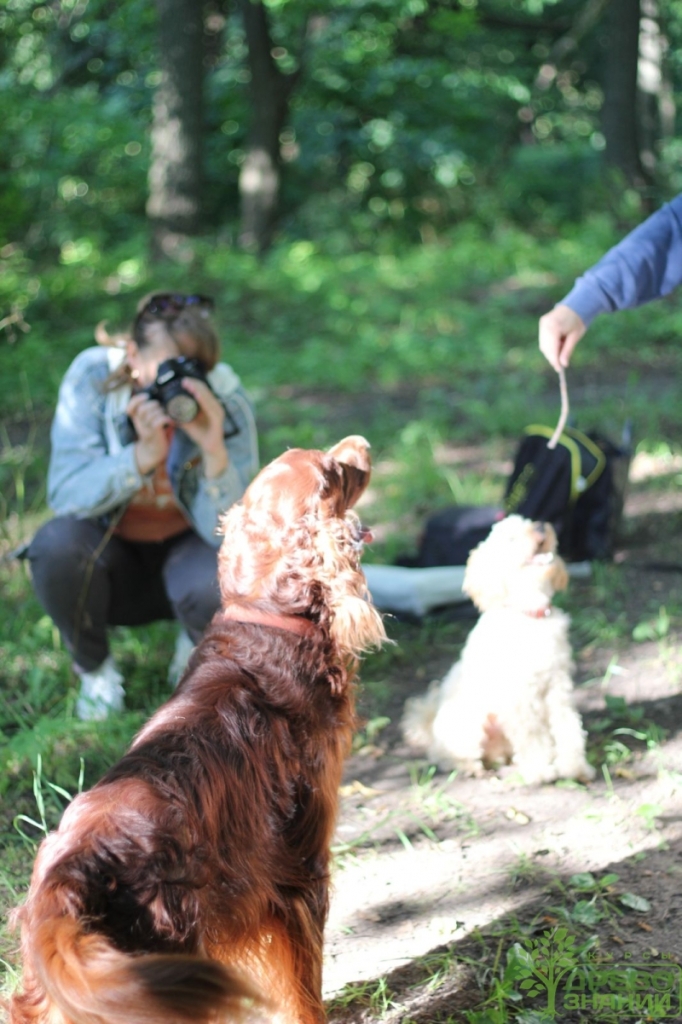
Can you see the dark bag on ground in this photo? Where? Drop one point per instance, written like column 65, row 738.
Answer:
column 579, row 487
column 450, row 535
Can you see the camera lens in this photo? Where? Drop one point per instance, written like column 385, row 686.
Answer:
column 182, row 407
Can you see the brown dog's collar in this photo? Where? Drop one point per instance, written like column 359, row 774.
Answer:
column 290, row 623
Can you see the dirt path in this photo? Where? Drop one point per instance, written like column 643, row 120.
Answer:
column 459, row 869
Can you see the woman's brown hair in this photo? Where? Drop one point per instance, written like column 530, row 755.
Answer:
column 187, row 320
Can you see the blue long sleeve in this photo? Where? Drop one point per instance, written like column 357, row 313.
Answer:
column 645, row 265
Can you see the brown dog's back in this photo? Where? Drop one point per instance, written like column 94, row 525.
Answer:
column 195, row 874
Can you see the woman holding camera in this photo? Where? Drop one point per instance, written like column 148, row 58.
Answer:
column 137, row 494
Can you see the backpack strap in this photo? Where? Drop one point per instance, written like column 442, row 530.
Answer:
column 594, row 450
column 571, row 439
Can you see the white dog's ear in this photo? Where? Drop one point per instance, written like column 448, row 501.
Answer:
column 483, row 581
column 559, row 574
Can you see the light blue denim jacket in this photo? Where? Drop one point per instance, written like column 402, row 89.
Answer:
column 93, row 472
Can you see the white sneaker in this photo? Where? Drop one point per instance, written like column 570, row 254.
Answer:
column 101, row 692
column 184, row 645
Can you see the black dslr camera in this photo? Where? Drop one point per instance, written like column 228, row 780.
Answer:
column 168, row 391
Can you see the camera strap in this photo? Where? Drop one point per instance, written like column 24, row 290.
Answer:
column 231, row 428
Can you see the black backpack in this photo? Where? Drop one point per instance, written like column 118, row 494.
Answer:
column 579, row 487
column 450, row 535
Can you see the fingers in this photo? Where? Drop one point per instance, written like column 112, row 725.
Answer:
column 208, row 403
column 569, row 344
column 560, row 330
column 150, row 421
column 147, row 415
column 207, row 427
column 135, row 402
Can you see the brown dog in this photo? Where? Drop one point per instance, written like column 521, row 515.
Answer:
column 195, row 873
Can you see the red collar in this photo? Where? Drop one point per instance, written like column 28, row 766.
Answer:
column 290, row 623
column 539, row 613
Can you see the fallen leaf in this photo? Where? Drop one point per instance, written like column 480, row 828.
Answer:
column 369, row 750
column 634, row 902
column 518, row 816
column 359, row 788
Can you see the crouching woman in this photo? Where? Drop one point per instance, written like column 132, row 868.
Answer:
column 138, row 486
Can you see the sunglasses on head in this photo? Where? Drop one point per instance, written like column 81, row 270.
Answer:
column 160, row 305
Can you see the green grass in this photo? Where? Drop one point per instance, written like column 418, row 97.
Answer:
column 501, row 976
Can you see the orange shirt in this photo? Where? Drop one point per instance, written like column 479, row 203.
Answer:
column 153, row 513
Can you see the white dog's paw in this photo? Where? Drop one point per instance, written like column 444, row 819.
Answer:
column 475, row 769
column 416, row 724
column 537, row 775
column 575, row 767
column 586, row 773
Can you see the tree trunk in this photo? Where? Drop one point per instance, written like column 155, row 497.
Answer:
column 619, row 113
column 657, row 105
column 174, row 203
column 259, row 176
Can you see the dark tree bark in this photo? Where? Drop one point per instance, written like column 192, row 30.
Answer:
column 174, row 204
column 619, row 113
column 271, row 91
column 566, row 45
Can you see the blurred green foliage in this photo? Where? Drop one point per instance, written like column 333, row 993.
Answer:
column 409, row 117
column 426, row 159
column 366, row 318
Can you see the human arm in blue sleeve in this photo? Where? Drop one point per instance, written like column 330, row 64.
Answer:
column 645, row 265
column 85, row 479
column 208, row 499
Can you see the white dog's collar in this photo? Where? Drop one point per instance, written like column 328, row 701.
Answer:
column 539, row 613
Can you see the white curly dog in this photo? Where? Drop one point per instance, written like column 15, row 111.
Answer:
column 509, row 697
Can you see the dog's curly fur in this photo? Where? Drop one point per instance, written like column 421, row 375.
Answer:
column 509, row 697
column 194, row 875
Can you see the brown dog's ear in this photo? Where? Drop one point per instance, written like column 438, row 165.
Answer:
column 352, row 455
column 354, row 483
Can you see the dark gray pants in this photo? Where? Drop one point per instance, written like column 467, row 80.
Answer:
column 88, row 581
